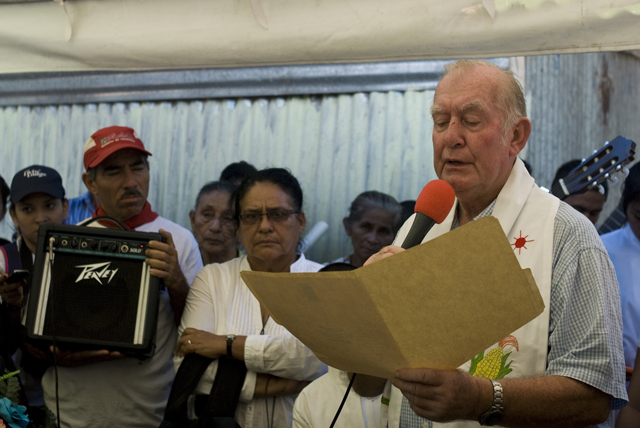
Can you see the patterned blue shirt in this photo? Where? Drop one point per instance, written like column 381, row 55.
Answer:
column 585, row 325
column 80, row 208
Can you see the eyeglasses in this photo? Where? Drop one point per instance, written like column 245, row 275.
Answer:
column 274, row 216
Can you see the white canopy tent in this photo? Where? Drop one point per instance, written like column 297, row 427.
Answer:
column 194, row 78
column 86, row 35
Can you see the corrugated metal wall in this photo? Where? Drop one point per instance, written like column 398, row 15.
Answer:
column 577, row 103
column 337, row 146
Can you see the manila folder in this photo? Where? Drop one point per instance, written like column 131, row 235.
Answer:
column 435, row 305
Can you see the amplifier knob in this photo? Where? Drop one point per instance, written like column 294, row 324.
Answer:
column 74, row 243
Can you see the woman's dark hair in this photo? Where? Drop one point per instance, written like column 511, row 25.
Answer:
column 4, row 194
column 408, row 208
column 237, row 172
column 215, row 186
column 631, row 190
column 372, row 200
column 338, row 267
column 278, row 176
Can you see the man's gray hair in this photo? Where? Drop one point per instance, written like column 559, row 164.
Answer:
column 509, row 93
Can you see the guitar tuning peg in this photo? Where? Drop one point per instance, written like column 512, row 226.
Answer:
column 601, row 189
column 613, row 179
column 606, row 142
column 625, row 172
column 595, row 151
column 583, row 160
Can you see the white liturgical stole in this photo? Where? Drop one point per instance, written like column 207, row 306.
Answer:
column 526, row 214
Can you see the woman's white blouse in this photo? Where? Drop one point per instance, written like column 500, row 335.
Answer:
column 221, row 303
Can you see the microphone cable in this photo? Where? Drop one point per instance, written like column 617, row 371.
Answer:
column 344, row 400
column 53, row 332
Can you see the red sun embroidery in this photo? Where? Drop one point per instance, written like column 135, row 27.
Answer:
column 520, row 242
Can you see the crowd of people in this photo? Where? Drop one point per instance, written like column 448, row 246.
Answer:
column 569, row 368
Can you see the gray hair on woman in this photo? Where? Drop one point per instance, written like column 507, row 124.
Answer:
column 374, row 199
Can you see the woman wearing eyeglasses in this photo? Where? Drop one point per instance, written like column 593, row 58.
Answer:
column 222, row 317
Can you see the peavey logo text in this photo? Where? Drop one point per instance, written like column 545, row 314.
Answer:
column 92, row 271
column 34, row 173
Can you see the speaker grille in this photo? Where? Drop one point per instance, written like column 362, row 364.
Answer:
column 91, row 301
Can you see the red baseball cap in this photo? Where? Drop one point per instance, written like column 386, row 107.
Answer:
column 109, row 140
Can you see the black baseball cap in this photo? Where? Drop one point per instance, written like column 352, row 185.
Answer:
column 36, row 179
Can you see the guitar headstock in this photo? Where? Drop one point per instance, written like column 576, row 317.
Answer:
column 600, row 166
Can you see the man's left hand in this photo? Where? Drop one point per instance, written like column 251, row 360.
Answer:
column 444, row 395
column 163, row 260
column 164, row 263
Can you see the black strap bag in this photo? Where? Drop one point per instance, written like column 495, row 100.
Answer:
column 221, row 403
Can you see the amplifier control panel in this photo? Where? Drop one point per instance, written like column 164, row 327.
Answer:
column 97, row 245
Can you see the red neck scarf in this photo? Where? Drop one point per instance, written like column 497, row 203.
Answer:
column 143, row 217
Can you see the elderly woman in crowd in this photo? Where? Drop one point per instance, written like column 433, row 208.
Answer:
column 374, row 219
column 212, row 223
column 222, row 317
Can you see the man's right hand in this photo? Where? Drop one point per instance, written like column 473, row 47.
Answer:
column 11, row 294
column 83, row 358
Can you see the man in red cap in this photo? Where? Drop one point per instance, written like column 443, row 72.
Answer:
column 102, row 388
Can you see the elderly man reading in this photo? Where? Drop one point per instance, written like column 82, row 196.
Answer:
column 564, row 368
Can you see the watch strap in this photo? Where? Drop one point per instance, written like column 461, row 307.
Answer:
column 230, row 339
column 496, row 411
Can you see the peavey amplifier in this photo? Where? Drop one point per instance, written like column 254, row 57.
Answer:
column 91, row 289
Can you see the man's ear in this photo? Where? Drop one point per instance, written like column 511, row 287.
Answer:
column 14, row 218
column 519, row 136
column 192, row 218
column 303, row 221
column 90, row 183
column 65, row 208
column 347, row 226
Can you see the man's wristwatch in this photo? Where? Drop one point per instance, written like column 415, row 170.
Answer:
column 230, row 339
column 494, row 415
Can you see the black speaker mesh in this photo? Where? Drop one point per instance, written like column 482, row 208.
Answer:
column 94, row 309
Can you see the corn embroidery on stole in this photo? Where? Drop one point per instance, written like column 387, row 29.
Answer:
column 526, row 214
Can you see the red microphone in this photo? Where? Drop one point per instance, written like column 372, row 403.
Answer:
column 432, row 206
